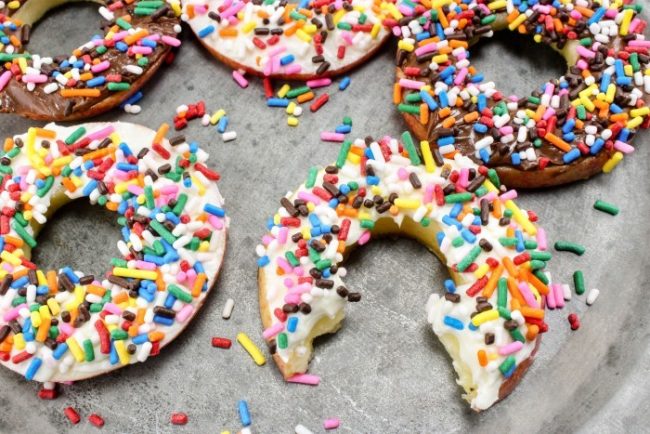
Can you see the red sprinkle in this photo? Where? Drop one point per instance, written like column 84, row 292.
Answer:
column 179, row 418
column 320, row 102
column 221, row 342
column 574, row 320
column 72, row 415
column 96, row 420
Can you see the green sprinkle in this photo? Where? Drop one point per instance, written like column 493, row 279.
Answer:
column 293, row 93
column 494, row 178
column 504, row 313
column 119, row 335
column 158, row 227
column 22, row 233
column 89, row 350
column 537, row 265
column 408, row 108
column 119, row 262
column 282, row 341
column 291, row 258
column 347, row 121
column 344, row 26
column 530, row 244
column 458, row 197
column 567, row 246
column 413, row 97
column 149, row 199
column 407, row 140
column 123, row 24
column 502, row 293
column 541, row 256
column 367, row 224
column 49, row 182
column 457, row 242
column 343, row 153
column 507, row 365
column 467, row 260
column 517, row 336
column 582, row 112
column 609, row 208
column 117, row 87
column 323, row 264
column 180, row 204
column 76, row 135
column 579, row 282
column 488, row 20
column 158, row 248
column 313, row 171
column 541, row 276
column 177, row 292
column 508, row 242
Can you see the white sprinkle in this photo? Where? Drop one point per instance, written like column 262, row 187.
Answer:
column 592, row 296
column 50, row 88
column 229, row 135
column 227, row 308
column 566, row 289
column 301, row 429
column 134, row 69
column 205, row 120
column 297, row 111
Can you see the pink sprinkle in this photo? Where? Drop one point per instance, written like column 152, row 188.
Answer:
column 231, row 11
column 463, row 179
column 112, row 308
column 135, row 189
column 328, row 136
column 428, row 48
column 402, row 174
column 411, row 84
column 460, row 77
column 171, row 41
column 215, row 221
column 34, row 78
column 582, row 64
column 101, row 66
column 309, row 197
column 428, row 194
column 623, row 147
column 13, row 313
column 292, row 298
column 145, row 265
column 119, row 36
column 239, row 78
column 277, row 50
column 585, row 52
column 397, row 31
column 293, row 68
column 320, row 82
column 364, row 238
column 541, row 239
column 100, row 134
column 512, row 347
column 508, row 195
column 331, row 423
column 559, row 295
column 550, row 300
column 528, row 295
column 282, row 263
column 312, row 380
column 282, row 235
column 169, row 189
column 66, row 329
column 640, row 43
column 289, row 283
column 137, row 49
column 4, row 79
column 273, row 330
column 185, row 313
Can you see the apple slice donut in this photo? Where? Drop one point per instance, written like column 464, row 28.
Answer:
column 135, row 39
column 491, row 314
column 298, row 41
column 66, row 325
column 569, row 128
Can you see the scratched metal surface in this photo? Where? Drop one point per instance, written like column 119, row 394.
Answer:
column 384, row 371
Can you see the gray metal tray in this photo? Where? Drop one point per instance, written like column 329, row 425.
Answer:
column 384, row 371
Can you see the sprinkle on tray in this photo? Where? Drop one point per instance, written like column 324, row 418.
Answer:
column 179, row 418
column 331, row 423
column 72, row 415
column 224, row 343
column 606, row 207
column 227, row 308
column 574, row 321
column 251, row 348
column 567, row 246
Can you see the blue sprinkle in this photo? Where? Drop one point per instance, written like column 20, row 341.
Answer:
column 453, row 322
column 345, row 82
column 59, row 351
column 292, row 323
column 263, row 261
column 222, row 124
column 205, row 31
column 343, row 129
column 214, row 210
column 287, row 59
column 140, row 339
column 113, row 357
column 97, row 81
column 597, row 146
column 428, row 100
column 571, row 156
column 244, row 414
column 450, row 286
column 516, row 159
column 277, row 102
column 163, row 320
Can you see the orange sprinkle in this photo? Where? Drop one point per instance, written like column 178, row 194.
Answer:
column 557, row 142
column 48, row 134
column 305, row 97
column 156, row 336
column 82, row 93
column 198, row 284
column 532, row 332
column 228, row 32
column 531, row 312
column 492, row 281
column 482, row 358
column 424, row 114
column 52, row 281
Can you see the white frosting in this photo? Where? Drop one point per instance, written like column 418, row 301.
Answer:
column 326, row 303
column 243, row 50
column 137, row 137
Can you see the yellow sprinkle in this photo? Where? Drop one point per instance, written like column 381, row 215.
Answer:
column 310, row 206
column 441, row 58
column 283, row 90
column 406, row 46
column 306, row 234
column 303, row 35
column 276, row 219
column 249, row 26
column 499, row 4
column 44, row 312
column 42, row 280
column 54, row 306
column 176, row 7
column 310, row 29
column 291, row 107
column 428, row 157
column 643, row 111
column 375, row 30
column 135, row 273
column 439, row 3
column 19, row 341
column 611, row 93
column 61, row 161
column 22, row 63
column 121, row 352
column 517, row 21
column 521, row 218
column 292, row 121
column 36, row 318
column 612, row 162
column 251, row 348
column 625, row 22
column 76, row 350
column 634, row 123
column 338, row 16
column 199, row 185
column 376, row 190
column 217, row 115
column 407, row 203
column 481, row 271
column 9, row 257
column 15, row 4
column 354, row 158
column 485, row 316
column 589, row 105
column 204, row 246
